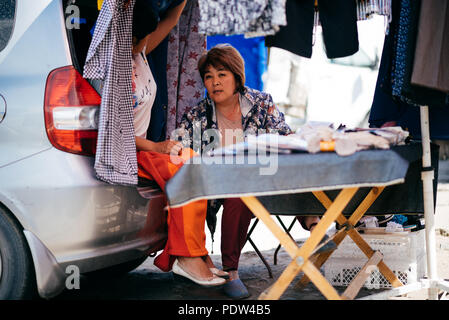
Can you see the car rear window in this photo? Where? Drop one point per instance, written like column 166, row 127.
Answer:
column 7, row 17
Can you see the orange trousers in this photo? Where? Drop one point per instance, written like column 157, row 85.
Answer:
column 186, row 224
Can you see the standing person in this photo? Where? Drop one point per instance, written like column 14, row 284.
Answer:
column 157, row 60
column 232, row 109
column 185, row 251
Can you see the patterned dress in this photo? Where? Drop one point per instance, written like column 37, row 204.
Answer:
column 252, row 17
column 185, row 47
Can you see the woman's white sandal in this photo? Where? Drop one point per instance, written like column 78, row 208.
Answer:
column 212, row 282
column 219, row 273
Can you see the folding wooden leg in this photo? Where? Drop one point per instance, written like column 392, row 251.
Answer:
column 320, row 281
column 368, row 251
column 321, row 258
column 330, row 216
column 302, row 254
column 357, row 283
column 278, row 288
column 341, row 219
column 302, row 260
column 355, row 236
column 260, row 212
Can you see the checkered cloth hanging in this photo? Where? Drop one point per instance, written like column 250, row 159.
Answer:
column 109, row 59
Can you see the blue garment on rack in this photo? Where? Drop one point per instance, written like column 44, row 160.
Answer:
column 399, row 219
column 387, row 106
column 385, row 109
column 254, row 53
column 402, row 47
column 405, row 34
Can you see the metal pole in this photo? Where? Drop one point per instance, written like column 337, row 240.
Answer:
column 427, row 178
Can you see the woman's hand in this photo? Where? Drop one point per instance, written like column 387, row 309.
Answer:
column 169, row 147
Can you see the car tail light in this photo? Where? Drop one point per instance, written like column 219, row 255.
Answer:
column 71, row 109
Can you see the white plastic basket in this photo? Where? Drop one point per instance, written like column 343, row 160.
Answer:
column 404, row 254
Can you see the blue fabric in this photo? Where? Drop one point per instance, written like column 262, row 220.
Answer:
column 405, row 37
column 235, row 289
column 399, row 219
column 388, row 103
column 385, row 109
column 402, row 48
column 254, row 53
column 157, row 60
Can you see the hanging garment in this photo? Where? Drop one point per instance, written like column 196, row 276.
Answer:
column 144, row 91
column 338, row 19
column 253, row 52
column 256, row 17
column 109, row 59
column 158, row 64
column 367, row 8
column 431, row 64
column 273, row 16
column 386, row 68
column 184, row 85
column 386, row 108
column 405, row 37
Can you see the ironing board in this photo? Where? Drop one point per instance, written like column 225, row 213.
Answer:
column 367, row 182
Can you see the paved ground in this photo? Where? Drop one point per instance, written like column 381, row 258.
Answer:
column 147, row 282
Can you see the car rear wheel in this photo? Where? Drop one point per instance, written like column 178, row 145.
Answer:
column 17, row 278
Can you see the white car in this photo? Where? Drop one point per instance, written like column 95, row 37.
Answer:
column 56, row 217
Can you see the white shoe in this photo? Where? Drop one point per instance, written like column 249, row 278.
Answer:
column 219, row 273
column 214, row 281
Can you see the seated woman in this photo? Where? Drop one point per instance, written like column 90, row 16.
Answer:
column 185, row 251
column 232, row 109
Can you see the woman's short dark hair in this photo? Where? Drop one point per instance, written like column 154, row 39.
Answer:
column 226, row 56
column 144, row 19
